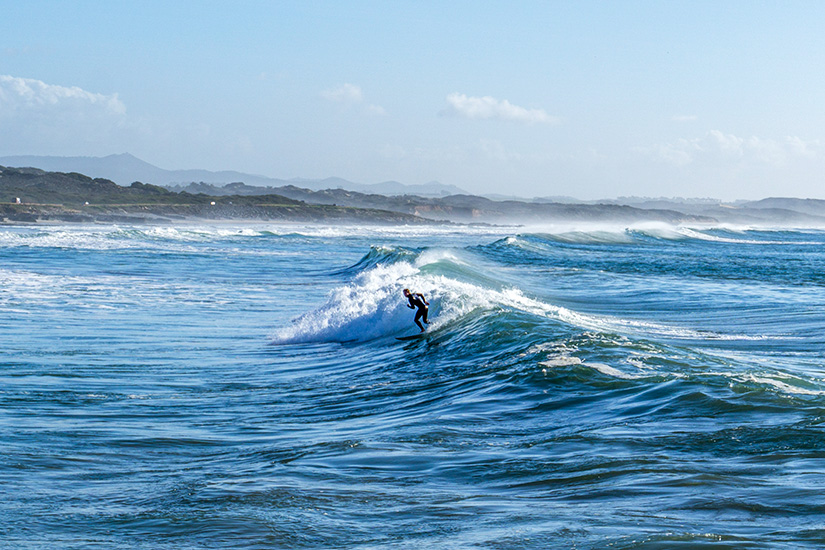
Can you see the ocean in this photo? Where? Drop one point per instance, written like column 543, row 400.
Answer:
column 242, row 386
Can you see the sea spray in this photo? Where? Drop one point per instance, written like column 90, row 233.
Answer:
column 372, row 305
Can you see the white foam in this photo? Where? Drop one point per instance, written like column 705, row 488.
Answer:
column 365, row 309
column 384, row 231
column 782, row 386
column 659, row 230
column 561, row 361
column 562, row 348
column 22, row 288
column 91, row 238
column 611, row 371
column 767, row 379
column 31, row 287
column 699, row 235
column 372, row 306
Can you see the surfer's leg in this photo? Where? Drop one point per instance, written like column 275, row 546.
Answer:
column 426, row 312
column 418, row 315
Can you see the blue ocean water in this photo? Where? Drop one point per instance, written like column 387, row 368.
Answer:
column 241, row 386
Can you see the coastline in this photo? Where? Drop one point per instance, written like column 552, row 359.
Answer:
column 37, row 214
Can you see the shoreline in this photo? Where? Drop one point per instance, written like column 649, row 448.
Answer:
column 43, row 214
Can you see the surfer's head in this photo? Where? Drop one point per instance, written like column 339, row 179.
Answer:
column 406, row 292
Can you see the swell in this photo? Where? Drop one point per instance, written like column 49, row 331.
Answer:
column 517, row 406
column 552, row 404
column 787, row 263
column 472, row 306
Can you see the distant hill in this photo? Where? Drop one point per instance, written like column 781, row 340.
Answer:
column 56, row 195
column 34, row 185
column 461, row 208
column 32, row 195
column 814, row 207
column 781, row 211
column 124, row 169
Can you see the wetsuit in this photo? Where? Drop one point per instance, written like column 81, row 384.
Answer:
column 417, row 300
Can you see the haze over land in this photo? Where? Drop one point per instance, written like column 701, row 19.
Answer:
column 124, row 169
column 35, row 195
column 589, row 99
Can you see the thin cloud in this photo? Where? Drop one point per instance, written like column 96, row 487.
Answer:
column 376, row 110
column 345, row 93
column 719, row 146
column 350, row 94
column 684, row 118
column 20, row 95
column 37, row 116
column 491, row 108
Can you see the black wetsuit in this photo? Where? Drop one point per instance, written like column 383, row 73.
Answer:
column 418, row 301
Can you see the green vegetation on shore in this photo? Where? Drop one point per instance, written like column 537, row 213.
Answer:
column 31, row 195
column 59, row 196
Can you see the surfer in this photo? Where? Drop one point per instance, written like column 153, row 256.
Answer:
column 417, row 300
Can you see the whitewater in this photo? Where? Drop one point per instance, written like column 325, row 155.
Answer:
column 234, row 385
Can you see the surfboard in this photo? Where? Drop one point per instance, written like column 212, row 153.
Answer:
column 412, row 336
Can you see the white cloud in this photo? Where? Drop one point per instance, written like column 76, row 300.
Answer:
column 491, row 108
column 36, row 117
column 350, row 94
column 801, row 148
column 21, row 95
column 345, row 93
column 684, row 118
column 721, row 147
column 716, row 141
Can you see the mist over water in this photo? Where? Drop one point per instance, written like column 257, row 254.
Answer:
column 242, row 386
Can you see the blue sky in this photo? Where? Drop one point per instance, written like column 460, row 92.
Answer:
column 586, row 99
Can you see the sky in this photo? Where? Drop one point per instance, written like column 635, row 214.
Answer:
column 721, row 99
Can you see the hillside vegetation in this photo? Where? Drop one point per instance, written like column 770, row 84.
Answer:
column 31, row 195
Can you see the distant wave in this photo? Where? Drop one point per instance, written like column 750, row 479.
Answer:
column 97, row 237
